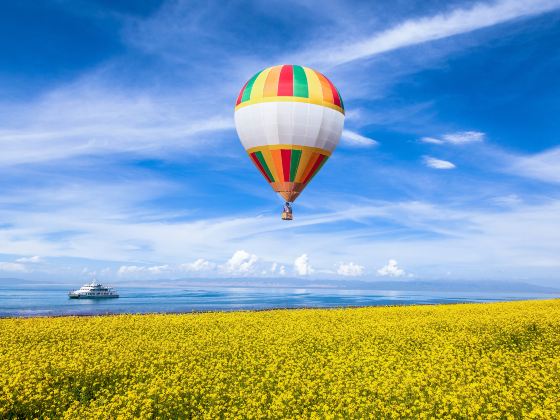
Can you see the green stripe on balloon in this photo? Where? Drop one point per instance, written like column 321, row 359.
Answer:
column 300, row 82
column 261, row 159
column 250, row 83
column 294, row 164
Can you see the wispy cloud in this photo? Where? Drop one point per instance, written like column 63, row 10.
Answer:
column 544, row 166
column 351, row 138
column 420, row 30
column 461, row 137
column 435, row 163
column 34, row 259
column 13, row 267
column 75, row 122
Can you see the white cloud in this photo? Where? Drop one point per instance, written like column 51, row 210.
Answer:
column 302, row 266
column 130, row 269
column 432, row 162
column 507, row 200
column 159, row 269
column 241, row 262
column 350, row 269
column 14, row 267
column 431, row 140
column 135, row 269
column 463, row 137
column 420, row 30
column 199, row 265
column 460, row 137
column 87, row 118
column 351, row 138
column 391, row 270
column 544, row 166
column 34, row 259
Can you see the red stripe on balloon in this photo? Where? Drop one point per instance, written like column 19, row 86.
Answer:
column 314, row 169
column 286, row 82
column 258, row 165
column 286, row 159
column 336, row 97
column 241, row 94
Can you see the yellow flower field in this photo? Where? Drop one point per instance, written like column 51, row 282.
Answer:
column 497, row 360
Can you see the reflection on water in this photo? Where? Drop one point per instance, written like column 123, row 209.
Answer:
column 32, row 300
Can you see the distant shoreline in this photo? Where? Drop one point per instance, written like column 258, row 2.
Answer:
column 307, row 308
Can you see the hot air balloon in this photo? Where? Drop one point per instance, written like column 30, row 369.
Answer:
column 289, row 120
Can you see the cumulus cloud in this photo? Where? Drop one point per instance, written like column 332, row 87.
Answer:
column 351, row 138
column 350, row 269
column 241, row 262
column 199, row 265
column 435, row 163
column 34, row 260
column 461, row 137
column 302, row 266
column 391, row 270
column 14, row 267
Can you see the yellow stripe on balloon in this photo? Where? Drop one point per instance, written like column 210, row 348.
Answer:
column 288, row 146
column 270, row 163
column 258, row 85
column 313, row 85
column 306, row 155
column 314, row 101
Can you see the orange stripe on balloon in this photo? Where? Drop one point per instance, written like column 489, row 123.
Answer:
column 314, row 168
column 277, row 157
column 258, row 85
column 268, row 157
column 271, row 83
column 310, row 165
column 327, row 91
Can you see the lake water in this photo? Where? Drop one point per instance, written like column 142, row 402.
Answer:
column 42, row 300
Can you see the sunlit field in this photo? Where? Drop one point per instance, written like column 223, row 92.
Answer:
column 494, row 360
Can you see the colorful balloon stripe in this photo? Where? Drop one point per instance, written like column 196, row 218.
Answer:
column 290, row 81
column 289, row 164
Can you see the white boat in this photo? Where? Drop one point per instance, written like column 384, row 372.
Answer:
column 93, row 290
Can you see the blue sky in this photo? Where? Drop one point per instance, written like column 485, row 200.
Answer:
column 119, row 157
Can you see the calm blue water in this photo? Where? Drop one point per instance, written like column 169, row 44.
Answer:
column 41, row 300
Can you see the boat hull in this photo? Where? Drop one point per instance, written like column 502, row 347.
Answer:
column 92, row 297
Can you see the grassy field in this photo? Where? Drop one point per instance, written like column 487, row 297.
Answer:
column 494, row 360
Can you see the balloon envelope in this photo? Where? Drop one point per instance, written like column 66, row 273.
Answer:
column 289, row 119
